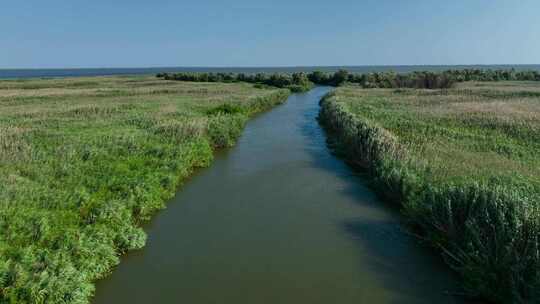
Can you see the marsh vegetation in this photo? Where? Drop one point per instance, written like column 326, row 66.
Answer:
column 84, row 161
column 464, row 166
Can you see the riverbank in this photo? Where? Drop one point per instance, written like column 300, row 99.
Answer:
column 463, row 165
column 85, row 161
column 279, row 219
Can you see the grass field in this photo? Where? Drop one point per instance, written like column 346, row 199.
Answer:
column 464, row 164
column 83, row 161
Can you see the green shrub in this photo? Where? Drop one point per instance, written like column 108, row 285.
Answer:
column 224, row 129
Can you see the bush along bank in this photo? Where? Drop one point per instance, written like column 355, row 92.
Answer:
column 296, row 82
column 487, row 231
column 82, row 174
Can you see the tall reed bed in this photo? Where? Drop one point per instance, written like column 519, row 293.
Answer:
column 83, row 165
column 465, row 174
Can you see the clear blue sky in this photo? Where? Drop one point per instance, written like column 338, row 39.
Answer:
column 141, row 33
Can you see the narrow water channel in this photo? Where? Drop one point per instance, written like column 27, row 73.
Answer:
column 278, row 219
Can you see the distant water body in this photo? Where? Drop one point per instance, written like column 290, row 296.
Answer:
column 46, row 73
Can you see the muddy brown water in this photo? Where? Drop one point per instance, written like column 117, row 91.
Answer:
column 279, row 219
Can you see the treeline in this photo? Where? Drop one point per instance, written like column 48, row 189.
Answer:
column 434, row 80
column 492, row 75
column 296, row 82
column 419, row 80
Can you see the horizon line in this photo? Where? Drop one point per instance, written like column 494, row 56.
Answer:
column 273, row 67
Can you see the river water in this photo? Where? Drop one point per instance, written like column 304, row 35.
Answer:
column 279, row 219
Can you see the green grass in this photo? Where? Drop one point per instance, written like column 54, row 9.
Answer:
column 464, row 164
column 84, row 161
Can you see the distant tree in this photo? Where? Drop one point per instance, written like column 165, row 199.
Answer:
column 340, row 77
column 300, row 79
column 318, row 77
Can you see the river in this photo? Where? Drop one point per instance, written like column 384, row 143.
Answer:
column 279, row 219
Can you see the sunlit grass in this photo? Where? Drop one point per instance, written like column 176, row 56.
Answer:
column 458, row 135
column 464, row 163
column 83, row 161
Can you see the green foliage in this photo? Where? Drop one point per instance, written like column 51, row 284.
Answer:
column 82, row 166
column 464, row 166
column 489, row 233
column 299, row 82
column 339, row 77
column 296, row 82
column 226, row 108
column 419, row 79
column 223, row 129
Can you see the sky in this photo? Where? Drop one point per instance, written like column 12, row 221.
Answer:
column 217, row 33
